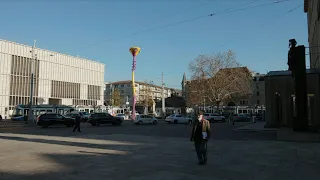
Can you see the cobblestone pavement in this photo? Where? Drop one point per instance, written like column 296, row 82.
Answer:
column 139, row 157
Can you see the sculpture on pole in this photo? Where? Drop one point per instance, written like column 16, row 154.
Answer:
column 134, row 51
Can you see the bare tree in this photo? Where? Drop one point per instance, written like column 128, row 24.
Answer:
column 147, row 96
column 217, row 79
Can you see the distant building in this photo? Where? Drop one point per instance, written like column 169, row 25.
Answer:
column 125, row 88
column 240, row 101
column 257, row 97
column 312, row 8
column 174, row 105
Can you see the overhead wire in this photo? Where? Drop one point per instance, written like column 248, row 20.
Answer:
column 178, row 12
column 225, row 11
column 264, row 24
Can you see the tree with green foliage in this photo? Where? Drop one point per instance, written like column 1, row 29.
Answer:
column 116, row 97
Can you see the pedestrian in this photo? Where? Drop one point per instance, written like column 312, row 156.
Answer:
column 77, row 126
column 231, row 119
column 200, row 136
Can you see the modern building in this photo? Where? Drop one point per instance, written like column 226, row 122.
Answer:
column 143, row 90
column 312, row 8
column 58, row 78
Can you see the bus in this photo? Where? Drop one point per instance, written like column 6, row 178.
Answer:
column 22, row 110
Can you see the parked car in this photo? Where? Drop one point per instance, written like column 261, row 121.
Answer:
column 48, row 119
column 241, row 117
column 145, row 119
column 214, row 117
column 122, row 116
column 104, row 118
column 178, row 119
column 83, row 115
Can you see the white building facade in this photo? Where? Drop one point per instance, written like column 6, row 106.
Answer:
column 58, row 78
column 143, row 90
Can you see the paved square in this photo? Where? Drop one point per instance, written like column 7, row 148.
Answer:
column 135, row 157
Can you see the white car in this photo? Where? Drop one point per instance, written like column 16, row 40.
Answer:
column 145, row 119
column 213, row 117
column 178, row 119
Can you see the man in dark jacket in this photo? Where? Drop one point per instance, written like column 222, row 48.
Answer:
column 200, row 135
column 77, row 126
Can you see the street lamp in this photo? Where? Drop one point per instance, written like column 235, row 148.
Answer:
column 33, row 58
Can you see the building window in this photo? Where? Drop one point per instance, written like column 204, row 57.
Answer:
column 258, row 93
column 258, row 102
column 122, row 85
column 243, row 102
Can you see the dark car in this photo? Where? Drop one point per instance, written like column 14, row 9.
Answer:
column 48, row 119
column 104, row 118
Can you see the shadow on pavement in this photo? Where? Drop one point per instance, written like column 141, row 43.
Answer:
column 101, row 167
column 67, row 143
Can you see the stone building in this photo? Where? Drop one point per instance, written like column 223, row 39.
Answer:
column 280, row 98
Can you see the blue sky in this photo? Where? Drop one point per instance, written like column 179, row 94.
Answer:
column 102, row 30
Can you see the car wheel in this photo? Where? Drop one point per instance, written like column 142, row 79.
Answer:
column 140, row 122
column 190, row 122
column 155, row 122
column 212, row 120
column 93, row 124
column 175, row 121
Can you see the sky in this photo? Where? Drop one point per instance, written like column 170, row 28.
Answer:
column 104, row 30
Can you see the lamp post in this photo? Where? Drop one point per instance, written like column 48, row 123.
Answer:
column 32, row 81
column 134, row 51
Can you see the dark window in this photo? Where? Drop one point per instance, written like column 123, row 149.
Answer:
column 122, row 85
column 258, row 102
column 258, row 93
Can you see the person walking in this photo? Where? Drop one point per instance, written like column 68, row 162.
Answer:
column 231, row 119
column 77, row 126
column 200, row 136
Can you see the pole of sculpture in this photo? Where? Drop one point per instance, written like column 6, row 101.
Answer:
column 134, row 51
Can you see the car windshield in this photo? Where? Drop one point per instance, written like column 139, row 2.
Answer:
column 85, row 113
column 120, row 114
